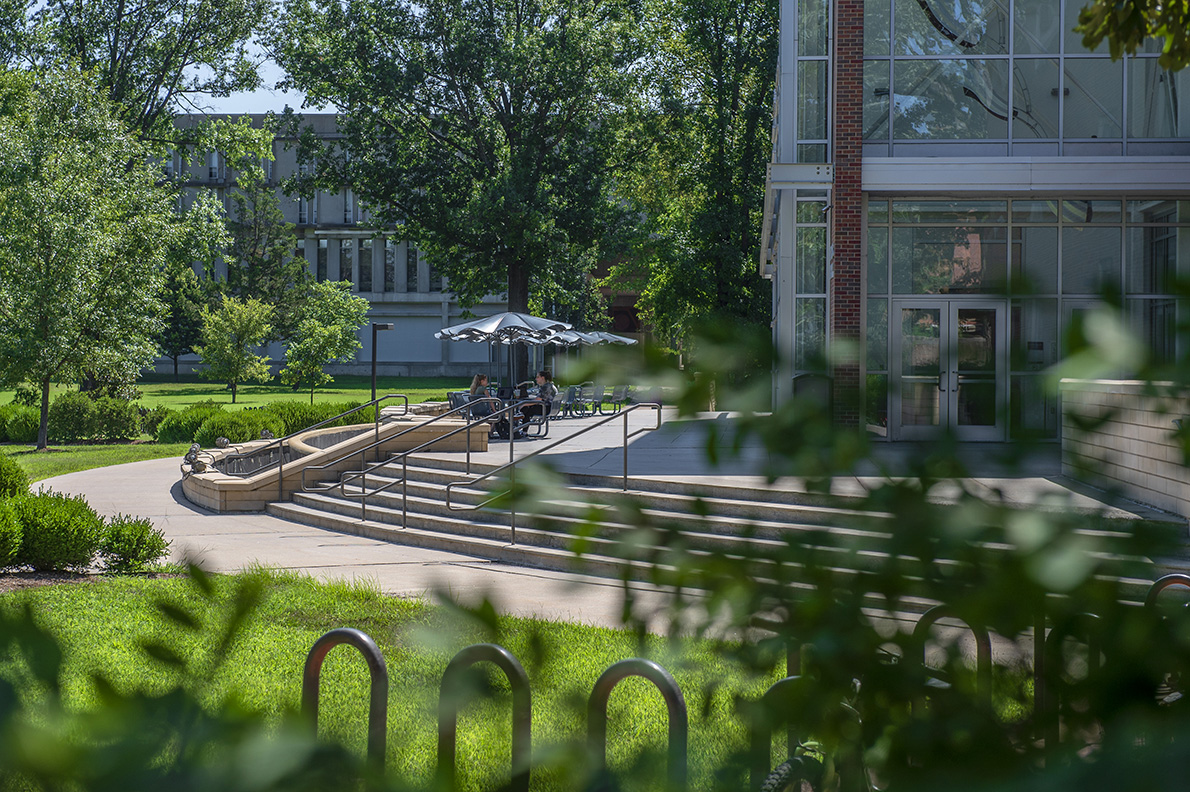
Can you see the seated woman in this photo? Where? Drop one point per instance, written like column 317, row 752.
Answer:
column 479, row 395
column 546, row 391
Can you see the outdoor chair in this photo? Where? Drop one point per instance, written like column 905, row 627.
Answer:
column 615, row 401
column 571, row 405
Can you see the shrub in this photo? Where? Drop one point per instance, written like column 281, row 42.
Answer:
column 22, row 426
column 10, row 534
column 151, row 420
column 181, row 427
column 72, row 417
column 57, row 531
column 6, row 412
column 300, row 415
column 13, row 480
column 116, row 419
column 131, row 544
column 26, row 396
column 238, row 427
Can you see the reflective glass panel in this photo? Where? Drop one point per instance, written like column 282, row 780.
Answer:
column 921, row 357
column 390, row 265
column 878, row 260
column 876, row 99
column 1091, row 211
column 1155, row 257
column 809, row 212
column 1038, row 31
column 877, row 335
column 975, row 362
column 1035, row 211
column 811, row 260
column 877, row 24
column 1034, row 334
column 950, row 27
column 1094, row 101
column 1090, row 259
column 810, row 333
column 365, row 265
column 811, row 27
column 1035, row 99
column 877, row 210
column 950, row 211
column 346, row 260
column 1156, row 211
column 411, row 283
column 876, row 400
column 1155, row 109
column 321, row 270
column 811, row 152
column 812, row 100
column 1155, row 322
column 950, row 100
column 949, row 260
column 1033, row 408
column 1035, row 260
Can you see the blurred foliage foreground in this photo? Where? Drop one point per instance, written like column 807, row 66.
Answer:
column 1096, row 705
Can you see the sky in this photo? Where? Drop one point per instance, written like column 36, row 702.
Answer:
column 259, row 101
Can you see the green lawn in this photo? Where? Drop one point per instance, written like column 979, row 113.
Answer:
column 162, row 389
column 101, row 625
column 73, row 458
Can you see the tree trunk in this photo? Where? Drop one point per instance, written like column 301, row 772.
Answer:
column 233, row 393
column 311, row 395
column 518, row 300
column 176, row 367
column 43, row 427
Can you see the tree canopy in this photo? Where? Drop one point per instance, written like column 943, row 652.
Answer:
column 230, row 336
column 328, row 320
column 1126, row 24
column 84, row 228
column 487, row 129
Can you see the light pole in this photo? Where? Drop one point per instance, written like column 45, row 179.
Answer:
column 375, row 327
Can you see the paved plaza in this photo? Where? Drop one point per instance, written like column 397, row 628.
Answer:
column 231, row 542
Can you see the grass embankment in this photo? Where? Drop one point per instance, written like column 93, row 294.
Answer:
column 60, row 460
column 101, row 625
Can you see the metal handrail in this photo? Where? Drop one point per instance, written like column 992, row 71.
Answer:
column 513, row 462
column 362, row 452
column 404, row 457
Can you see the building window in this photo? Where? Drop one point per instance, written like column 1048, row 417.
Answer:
column 411, row 269
column 348, row 207
column 390, row 265
column 303, row 210
column 214, row 169
column 321, row 273
column 365, row 265
column 346, row 260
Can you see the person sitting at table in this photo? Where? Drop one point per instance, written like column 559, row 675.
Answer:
column 479, row 395
column 546, row 391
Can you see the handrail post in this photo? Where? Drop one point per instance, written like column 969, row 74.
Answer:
column 405, row 492
column 378, row 699
column 625, row 444
column 281, row 470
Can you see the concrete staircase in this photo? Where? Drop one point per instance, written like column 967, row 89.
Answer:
column 614, row 533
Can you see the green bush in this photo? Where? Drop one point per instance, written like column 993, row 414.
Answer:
column 13, row 480
column 10, row 534
column 181, row 427
column 300, row 415
column 151, row 420
column 22, row 425
column 72, row 417
column 6, row 412
column 116, row 419
column 26, row 396
column 58, row 531
column 131, row 544
column 237, row 427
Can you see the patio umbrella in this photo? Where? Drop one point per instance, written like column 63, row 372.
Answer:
column 509, row 327
column 612, row 338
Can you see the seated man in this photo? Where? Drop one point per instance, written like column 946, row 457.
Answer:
column 546, row 391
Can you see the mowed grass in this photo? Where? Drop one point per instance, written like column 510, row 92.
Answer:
column 102, row 624
column 59, row 460
column 161, row 389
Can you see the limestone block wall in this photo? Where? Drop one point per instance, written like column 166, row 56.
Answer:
column 1134, row 450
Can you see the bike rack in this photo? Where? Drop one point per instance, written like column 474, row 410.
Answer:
column 377, row 700
column 675, row 703
column 448, row 712
column 983, row 643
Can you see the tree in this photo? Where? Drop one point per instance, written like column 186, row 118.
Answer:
column 486, row 128
column 261, row 262
column 155, row 57
column 229, row 336
column 1125, row 24
column 705, row 114
column 328, row 323
column 83, row 231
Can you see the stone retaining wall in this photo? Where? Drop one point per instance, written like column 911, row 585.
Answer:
column 1134, row 450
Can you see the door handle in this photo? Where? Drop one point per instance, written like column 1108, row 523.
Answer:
column 941, row 387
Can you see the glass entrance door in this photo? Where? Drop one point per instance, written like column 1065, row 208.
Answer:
column 950, row 369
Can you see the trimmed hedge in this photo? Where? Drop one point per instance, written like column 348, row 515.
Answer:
column 151, row 420
column 13, row 479
column 58, row 532
column 23, row 424
column 72, row 417
column 300, row 415
column 238, row 427
column 10, row 534
column 181, row 427
column 131, row 544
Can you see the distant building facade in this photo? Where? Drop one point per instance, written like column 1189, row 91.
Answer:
column 337, row 239
column 951, row 184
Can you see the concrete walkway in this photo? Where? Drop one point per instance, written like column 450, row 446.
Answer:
column 227, row 543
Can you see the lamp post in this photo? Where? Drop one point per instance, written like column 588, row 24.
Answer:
column 375, row 327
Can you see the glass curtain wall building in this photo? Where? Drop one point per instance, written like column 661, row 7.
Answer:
column 954, row 182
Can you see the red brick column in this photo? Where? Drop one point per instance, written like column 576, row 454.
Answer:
column 846, row 291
